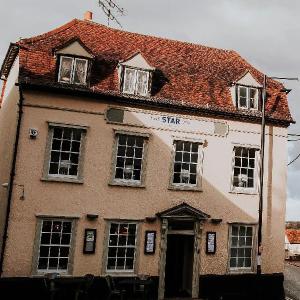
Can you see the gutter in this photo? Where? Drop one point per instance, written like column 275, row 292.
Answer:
column 12, row 177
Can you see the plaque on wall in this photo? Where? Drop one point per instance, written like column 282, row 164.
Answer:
column 89, row 241
column 150, row 237
column 211, row 242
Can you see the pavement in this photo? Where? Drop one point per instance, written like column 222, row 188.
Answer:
column 292, row 280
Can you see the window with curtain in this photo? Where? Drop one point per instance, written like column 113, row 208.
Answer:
column 136, row 82
column 73, row 70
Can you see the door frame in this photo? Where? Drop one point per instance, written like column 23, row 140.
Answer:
column 163, row 254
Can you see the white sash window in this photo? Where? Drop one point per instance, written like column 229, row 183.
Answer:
column 136, row 82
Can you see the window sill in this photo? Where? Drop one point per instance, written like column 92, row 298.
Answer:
column 43, row 274
column 62, row 179
column 117, row 273
column 243, row 191
column 241, row 271
column 185, row 188
column 127, row 184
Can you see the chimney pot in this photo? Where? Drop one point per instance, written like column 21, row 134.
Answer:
column 88, row 16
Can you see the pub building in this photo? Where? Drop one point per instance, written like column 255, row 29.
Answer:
column 130, row 155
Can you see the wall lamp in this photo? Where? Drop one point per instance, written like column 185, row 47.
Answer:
column 22, row 197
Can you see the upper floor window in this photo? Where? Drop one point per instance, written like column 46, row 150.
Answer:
column 247, row 97
column 73, row 70
column 64, row 159
column 244, row 169
column 129, row 159
column 186, row 171
column 136, row 82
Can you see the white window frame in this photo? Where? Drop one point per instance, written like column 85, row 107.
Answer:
column 47, row 176
column 188, row 186
column 73, row 67
column 135, row 84
column 123, row 181
column 135, row 247
column 245, row 190
column 248, row 93
column 38, row 245
column 252, row 247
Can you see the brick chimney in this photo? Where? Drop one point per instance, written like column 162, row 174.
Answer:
column 88, row 16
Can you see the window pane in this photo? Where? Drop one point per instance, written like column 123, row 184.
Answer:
column 80, row 71
column 253, row 98
column 142, row 83
column 43, row 262
column 44, row 251
column 65, row 69
column 232, row 262
column 129, row 81
column 63, row 264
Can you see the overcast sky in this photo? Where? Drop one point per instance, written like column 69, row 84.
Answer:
column 264, row 32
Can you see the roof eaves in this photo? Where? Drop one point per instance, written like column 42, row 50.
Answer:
column 9, row 59
column 161, row 102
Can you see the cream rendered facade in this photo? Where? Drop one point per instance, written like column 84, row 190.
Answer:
column 96, row 196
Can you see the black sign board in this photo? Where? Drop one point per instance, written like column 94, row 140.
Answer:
column 150, row 237
column 89, row 241
column 211, row 242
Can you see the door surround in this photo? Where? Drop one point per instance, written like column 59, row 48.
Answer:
column 182, row 212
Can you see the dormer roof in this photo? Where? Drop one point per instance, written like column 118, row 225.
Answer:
column 75, row 48
column 137, row 61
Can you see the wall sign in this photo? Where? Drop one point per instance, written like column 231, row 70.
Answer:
column 150, row 237
column 89, row 241
column 211, row 242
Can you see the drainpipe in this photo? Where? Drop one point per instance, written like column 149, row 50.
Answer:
column 261, row 178
column 12, row 176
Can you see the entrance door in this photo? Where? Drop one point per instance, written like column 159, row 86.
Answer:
column 179, row 265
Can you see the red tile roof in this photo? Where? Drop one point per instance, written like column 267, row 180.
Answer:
column 186, row 74
column 293, row 235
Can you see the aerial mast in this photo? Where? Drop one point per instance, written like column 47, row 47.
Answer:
column 111, row 10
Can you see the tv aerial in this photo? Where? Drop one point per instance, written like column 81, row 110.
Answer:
column 111, row 10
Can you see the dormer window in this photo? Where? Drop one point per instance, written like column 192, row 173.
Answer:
column 135, row 82
column 247, row 97
column 135, row 76
column 72, row 70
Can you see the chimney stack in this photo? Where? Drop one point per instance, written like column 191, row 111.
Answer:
column 88, row 16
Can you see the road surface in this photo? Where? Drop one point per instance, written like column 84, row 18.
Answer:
column 292, row 281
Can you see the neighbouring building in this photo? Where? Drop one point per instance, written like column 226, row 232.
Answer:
column 292, row 240
column 128, row 154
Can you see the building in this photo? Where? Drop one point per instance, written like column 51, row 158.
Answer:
column 292, row 240
column 127, row 154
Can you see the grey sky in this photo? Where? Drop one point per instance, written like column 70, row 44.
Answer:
column 264, row 32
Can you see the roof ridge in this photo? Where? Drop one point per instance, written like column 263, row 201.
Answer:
column 50, row 33
column 155, row 37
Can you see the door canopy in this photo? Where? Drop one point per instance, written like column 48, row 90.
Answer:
column 183, row 211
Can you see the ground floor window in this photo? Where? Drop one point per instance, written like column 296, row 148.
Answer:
column 121, row 246
column 241, row 246
column 54, row 245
